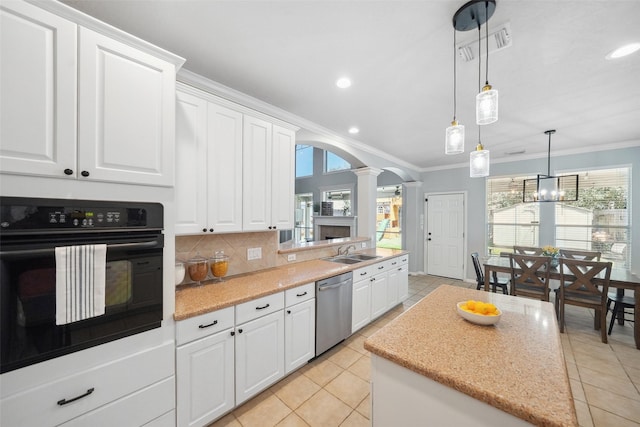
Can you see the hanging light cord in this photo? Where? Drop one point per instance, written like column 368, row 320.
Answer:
column 479, row 68
column 454, row 73
column 486, row 26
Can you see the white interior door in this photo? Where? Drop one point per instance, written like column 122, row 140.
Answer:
column 444, row 240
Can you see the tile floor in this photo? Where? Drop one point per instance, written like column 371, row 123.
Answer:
column 333, row 390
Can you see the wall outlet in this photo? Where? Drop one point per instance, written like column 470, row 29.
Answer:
column 364, row 245
column 291, row 257
column 254, row 253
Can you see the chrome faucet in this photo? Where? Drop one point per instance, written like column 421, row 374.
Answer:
column 342, row 250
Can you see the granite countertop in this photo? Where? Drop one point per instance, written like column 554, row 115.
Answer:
column 516, row 365
column 192, row 300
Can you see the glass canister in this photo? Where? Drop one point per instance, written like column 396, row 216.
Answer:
column 197, row 268
column 180, row 271
column 219, row 265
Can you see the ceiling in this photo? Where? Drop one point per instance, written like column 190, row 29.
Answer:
column 399, row 55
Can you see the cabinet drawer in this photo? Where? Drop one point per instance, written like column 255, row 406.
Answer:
column 259, row 307
column 299, row 294
column 203, row 325
column 363, row 273
column 381, row 267
column 40, row 406
column 136, row 409
column 399, row 261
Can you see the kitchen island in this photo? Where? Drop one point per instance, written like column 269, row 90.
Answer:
column 431, row 367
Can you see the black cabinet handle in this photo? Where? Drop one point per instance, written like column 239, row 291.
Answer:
column 204, row 230
column 288, row 311
column 68, row 171
column 270, row 227
column 232, row 333
column 62, row 402
column 84, row 173
column 393, row 263
column 263, row 307
column 381, row 267
column 363, row 274
column 215, row 322
column 274, row 227
column 211, row 230
column 302, row 294
column 239, row 331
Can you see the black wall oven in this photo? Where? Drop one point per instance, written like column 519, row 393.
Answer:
column 31, row 229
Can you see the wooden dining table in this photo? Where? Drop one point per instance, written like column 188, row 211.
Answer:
column 620, row 279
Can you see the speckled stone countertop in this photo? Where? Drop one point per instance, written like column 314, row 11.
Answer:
column 516, row 365
column 192, row 300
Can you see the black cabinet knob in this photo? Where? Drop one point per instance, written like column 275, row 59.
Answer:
column 84, row 173
column 204, row 230
column 211, row 230
column 239, row 331
column 288, row 311
column 232, row 333
column 68, row 171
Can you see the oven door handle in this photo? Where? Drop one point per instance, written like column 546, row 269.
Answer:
column 137, row 245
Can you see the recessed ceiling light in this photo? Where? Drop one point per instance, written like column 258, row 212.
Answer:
column 343, row 82
column 353, row 130
column 625, row 50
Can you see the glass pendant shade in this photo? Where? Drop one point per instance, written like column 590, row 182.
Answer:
column 479, row 162
column 454, row 138
column 487, row 106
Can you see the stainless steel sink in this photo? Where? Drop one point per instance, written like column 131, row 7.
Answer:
column 363, row 257
column 352, row 259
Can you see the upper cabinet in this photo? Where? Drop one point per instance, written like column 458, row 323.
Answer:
column 58, row 76
column 235, row 167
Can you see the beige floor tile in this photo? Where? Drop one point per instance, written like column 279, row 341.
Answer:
column 603, row 418
column 323, row 372
column 356, row 420
column 583, row 414
column 292, row 420
column 323, row 410
column 577, row 391
column 621, row 386
column 572, row 371
column 369, row 330
column 345, row 357
column 294, row 390
column 634, row 374
column 609, row 366
column 364, row 408
column 356, row 342
column 362, row 368
column 264, row 410
column 348, row 388
column 611, row 402
column 227, row 421
column 628, row 356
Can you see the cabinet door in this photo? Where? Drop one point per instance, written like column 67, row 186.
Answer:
column 224, row 166
column 378, row 295
column 204, row 377
column 393, row 284
column 403, row 282
column 191, row 164
column 126, row 113
column 283, row 178
column 259, row 354
column 256, row 177
column 361, row 304
column 38, row 78
column 299, row 334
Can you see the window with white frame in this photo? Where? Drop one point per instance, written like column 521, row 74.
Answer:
column 334, row 163
column 599, row 219
column 510, row 221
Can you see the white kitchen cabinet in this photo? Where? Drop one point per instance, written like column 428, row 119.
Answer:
column 205, row 372
column 259, row 354
column 379, row 290
column 268, row 175
column 209, row 166
column 57, row 77
column 38, row 76
column 403, row 278
column 393, row 285
column 361, row 298
column 299, row 334
column 205, row 367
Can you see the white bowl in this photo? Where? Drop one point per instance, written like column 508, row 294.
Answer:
column 478, row 319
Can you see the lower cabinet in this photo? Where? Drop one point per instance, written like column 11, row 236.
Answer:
column 299, row 334
column 205, row 372
column 259, row 354
column 379, row 295
column 361, row 299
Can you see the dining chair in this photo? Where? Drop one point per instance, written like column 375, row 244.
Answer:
column 581, row 255
column 527, row 250
column 621, row 303
column 495, row 281
column 585, row 284
column 530, row 276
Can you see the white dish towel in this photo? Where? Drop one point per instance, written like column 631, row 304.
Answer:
column 80, row 282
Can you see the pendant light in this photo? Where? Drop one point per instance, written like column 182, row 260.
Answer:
column 549, row 188
column 479, row 159
column 487, row 98
column 454, row 135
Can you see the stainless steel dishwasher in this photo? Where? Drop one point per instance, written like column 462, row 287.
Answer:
column 333, row 311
